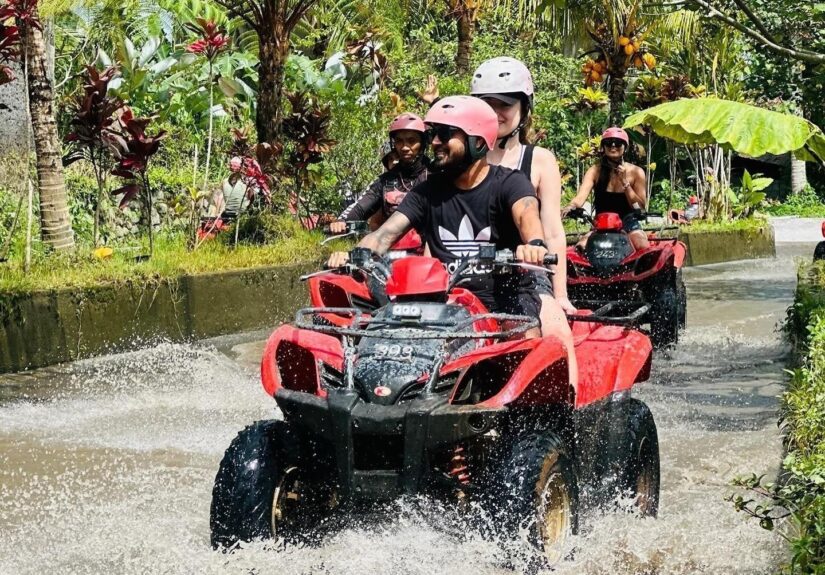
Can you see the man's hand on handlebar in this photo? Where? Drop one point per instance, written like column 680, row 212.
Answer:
column 531, row 254
column 565, row 211
column 337, row 260
column 338, row 227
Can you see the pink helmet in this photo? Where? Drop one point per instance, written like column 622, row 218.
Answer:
column 502, row 76
column 407, row 121
column 616, row 133
column 235, row 164
column 472, row 116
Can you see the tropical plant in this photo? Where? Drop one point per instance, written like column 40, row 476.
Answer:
column 93, row 116
column 211, row 42
column 133, row 150
column 9, row 43
column 55, row 220
column 750, row 195
column 307, row 125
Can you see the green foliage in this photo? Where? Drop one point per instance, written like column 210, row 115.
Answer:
column 806, row 203
column 796, row 505
column 749, row 196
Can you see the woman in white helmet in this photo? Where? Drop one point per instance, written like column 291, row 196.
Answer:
column 507, row 86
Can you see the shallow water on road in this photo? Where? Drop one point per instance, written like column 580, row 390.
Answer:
column 106, row 465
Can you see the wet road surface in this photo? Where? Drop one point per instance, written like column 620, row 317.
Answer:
column 106, row 465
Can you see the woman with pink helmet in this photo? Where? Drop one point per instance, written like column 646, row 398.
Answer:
column 619, row 186
column 507, row 86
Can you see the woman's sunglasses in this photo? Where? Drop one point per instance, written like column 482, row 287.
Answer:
column 612, row 143
column 443, row 132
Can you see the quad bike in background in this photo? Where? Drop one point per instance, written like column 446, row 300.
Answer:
column 431, row 394
column 819, row 250
column 608, row 268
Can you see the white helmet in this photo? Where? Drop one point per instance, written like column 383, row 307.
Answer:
column 503, row 76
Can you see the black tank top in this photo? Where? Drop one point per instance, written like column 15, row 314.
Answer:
column 605, row 201
column 525, row 162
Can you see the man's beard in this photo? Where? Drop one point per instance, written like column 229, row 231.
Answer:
column 451, row 166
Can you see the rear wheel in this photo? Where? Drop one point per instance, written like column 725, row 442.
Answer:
column 533, row 488
column 640, row 478
column 664, row 316
column 265, row 488
column 682, row 293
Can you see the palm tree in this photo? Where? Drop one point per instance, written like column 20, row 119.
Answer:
column 273, row 22
column 55, row 220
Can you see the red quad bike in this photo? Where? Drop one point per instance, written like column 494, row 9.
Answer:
column 609, row 269
column 432, row 394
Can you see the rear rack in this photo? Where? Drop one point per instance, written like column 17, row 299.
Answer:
column 611, row 312
column 303, row 320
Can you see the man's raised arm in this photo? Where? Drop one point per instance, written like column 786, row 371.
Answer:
column 379, row 241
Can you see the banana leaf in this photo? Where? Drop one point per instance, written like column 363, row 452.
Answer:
column 745, row 129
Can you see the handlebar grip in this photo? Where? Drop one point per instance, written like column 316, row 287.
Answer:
column 551, row 259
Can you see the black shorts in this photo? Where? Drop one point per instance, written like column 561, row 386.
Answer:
column 520, row 294
column 630, row 223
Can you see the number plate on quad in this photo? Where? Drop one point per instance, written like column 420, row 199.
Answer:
column 404, row 311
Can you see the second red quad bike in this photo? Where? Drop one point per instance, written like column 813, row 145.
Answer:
column 608, row 268
column 431, row 394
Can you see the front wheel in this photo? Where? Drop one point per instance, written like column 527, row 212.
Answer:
column 664, row 317
column 533, row 489
column 640, row 476
column 265, row 488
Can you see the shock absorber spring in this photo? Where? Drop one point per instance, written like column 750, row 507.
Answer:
column 458, row 466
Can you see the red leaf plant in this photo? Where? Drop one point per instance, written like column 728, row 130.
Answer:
column 211, row 42
column 9, row 43
column 25, row 11
column 93, row 137
column 133, row 150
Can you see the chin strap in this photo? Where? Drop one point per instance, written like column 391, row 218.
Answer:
column 503, row 141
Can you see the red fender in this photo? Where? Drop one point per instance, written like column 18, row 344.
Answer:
column 679, row 254
column 611, row 359
column 334, row 290
column 321, row 347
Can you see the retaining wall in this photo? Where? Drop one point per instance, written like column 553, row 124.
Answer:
column 724, row 246
column 44, row 328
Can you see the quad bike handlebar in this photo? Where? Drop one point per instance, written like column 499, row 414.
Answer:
column 355, row 228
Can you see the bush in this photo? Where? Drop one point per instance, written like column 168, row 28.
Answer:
column 806, row 204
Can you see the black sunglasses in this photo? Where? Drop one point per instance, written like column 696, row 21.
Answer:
column 612, row 143
column 442, row 131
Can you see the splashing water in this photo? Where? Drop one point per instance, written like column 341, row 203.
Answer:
column 106, row 465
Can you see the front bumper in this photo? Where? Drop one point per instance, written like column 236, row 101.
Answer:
column 381, row 452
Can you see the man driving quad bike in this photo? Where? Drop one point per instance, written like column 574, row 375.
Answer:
column 619, row 187
column 408, row 141
column 467, row 203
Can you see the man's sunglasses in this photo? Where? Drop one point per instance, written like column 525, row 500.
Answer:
column 443, row 132
column 612, row 143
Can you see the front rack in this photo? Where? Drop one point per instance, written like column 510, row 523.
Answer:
column 303, row 320
column 628, row 314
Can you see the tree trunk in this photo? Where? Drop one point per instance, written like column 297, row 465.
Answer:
column 464, row 25
column 799, row 178
column 618, row 86
column 273, row 51
column 55, row 221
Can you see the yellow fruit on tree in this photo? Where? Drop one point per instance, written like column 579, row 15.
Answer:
column 624, row 41
column 596, row 76
column 636, row 44
column 637, row 61
column 629, row 49
column 650, row 60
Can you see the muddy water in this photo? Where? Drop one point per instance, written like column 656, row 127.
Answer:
column 106, row 465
